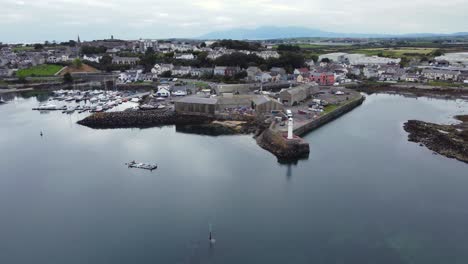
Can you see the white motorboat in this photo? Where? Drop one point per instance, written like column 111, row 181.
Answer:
column 69, row 110
column 135, row 100
column 179, row 93
column 47, row 106
column 147, row 107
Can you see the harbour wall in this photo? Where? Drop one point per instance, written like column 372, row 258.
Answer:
column 314, row 124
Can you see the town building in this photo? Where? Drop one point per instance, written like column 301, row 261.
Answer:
column 323, row 78
column 441, row 74
column 294, row 96
column 194, row 105
column 125, row 60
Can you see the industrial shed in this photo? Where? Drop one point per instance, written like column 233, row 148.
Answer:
column 193, row 105
column 294, row 96
column 264, row 104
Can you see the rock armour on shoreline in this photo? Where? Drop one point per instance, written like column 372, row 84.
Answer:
column 140, row 119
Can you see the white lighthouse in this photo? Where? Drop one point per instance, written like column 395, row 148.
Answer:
column 290, row 128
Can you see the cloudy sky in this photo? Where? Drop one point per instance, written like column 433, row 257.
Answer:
column 39, row 20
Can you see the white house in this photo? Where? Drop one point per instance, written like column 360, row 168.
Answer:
column 163, row 92
column 268, row 54
column 92, row 58
column 181, row 70
column 263, row 77
column 184, row 56
column 160, row 68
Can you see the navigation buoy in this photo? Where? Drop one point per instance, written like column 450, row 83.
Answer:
column 211, row 238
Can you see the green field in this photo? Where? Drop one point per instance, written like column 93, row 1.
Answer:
column 396, row 52
column 18, row 49
column 40, row 70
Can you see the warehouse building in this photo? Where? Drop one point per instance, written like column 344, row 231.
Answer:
column 193, row 105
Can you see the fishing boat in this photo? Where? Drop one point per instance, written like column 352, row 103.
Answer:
column 144, row 166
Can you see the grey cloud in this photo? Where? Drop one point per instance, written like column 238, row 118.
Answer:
column 39, row 20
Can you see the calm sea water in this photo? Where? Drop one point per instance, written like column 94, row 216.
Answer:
column 365, row 195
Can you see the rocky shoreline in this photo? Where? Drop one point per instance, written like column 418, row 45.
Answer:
column 413, row 90
column 447, row 140
column 220, row 128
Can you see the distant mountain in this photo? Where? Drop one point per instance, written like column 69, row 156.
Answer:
column 273, row 32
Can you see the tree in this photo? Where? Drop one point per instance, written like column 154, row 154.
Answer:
column 237, row 45
column 239, row 59
column 314, row 58
column 166, row 74
column 203, row 45
column 437, row 53
column 241, row 75
column 286, row 47
column 38, row 46
column 404, row 62
column 326, row 60
column 105, row 63
column 88, row 50
column 77, row 63
column 67, row 78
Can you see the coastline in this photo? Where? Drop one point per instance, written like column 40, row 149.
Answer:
column 448, row 140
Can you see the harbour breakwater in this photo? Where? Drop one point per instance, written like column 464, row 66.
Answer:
column 140, row 119
column 322, row 120
column 286, row 150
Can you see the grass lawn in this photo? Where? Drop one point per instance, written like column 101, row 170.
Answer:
column 39, row 70
column 447, row 84
column 202, row 85
column 329, row 108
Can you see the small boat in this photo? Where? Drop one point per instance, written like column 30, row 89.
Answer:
column 69, row 99
column 179, row 93
column 69, row 110
column 148, row 107
column 135, row 100
column 2, row 102
column 47, row 106
column 144, row 166
column 98, row 109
